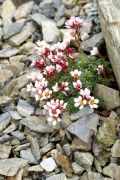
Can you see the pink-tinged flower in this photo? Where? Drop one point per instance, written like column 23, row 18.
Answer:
column 42, row 48
column 39, row 63
column 64, row 86
column 77, row 85
column 61, row 45
column 56, row 88
column 94, row 51
column 35, row 76
column 93, row 103
column 58, row 55
column 100, row 69
column 71, row 53
column 49, row 71
column 63, row 65
column 55, row 108
column 80, row 102
column 85, row 93
column 41, row 85
column 58, row 68
column 46, row 94
column 76, row 74
column 74, row 23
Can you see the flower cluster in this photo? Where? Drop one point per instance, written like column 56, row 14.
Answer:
column 57, row 74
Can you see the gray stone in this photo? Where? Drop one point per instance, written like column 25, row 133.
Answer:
column 18, row 58
column 22, row 81
column 27, row 47
column 1, row 34
column 19, row 135
column 70, row 3
column 5, row 76
column 5, row 151
column 36, row 168
column 74, row 177
column 94, row 41
column 37, row 124
column 61, row 22
column 8, row 52
column 48, row 164
column 94, row 176
column 49, row 29
column 66, row 149
column 24, row 10
column 87, row 27
column 24, row 108
column 83, row 158
column 15, row 115
column 13, row 29
column 27, row 154
column 21, row 147
column 8, row 9
column 4, row 100
column 15, row 67
column 115, row 150
column 84, row 127
column 34, row 147
column 57, row 177
column 12, row 127
column 110, row 170
column 46, row 149
column 110, row 96
column 77, row 168
column 83, row 112
column 26, row 32
column 9, row 167
column 4, row 120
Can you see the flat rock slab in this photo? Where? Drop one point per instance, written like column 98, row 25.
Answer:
column 8, row 52
column 26, row 32
column 37, row 124
column 10, row 167
column 84, row 127
column 109, row 12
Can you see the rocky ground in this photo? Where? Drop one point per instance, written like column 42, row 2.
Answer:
column 86, row 146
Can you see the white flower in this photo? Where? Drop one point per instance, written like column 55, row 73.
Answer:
column 77, row 84
column 79, row 102
column 94, row 51
column 93, row 103
column 100, row 69
column 46, row 94
column 30, row 87
column 55, row 88
column 76, row 74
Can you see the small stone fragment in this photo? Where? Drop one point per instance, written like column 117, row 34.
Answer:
column 4, row 120
column 24, row 108
column 27, row 154
column 83, row 158
column 77, row 168
column 5, row 151
column 57, row 177
column 48, row 164
column 115, row 150
column 36, row 168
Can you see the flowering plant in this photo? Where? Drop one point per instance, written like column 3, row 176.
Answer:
column 58, row 78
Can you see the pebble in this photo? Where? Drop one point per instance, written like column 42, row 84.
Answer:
column 48, row 164
column 37, row 124
column 4, row 120
column 77, row 168
column 27, row 154
column 24, row 108
column 5, row 151
column 83, row 158
column 19, row 135
column 82, row 127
